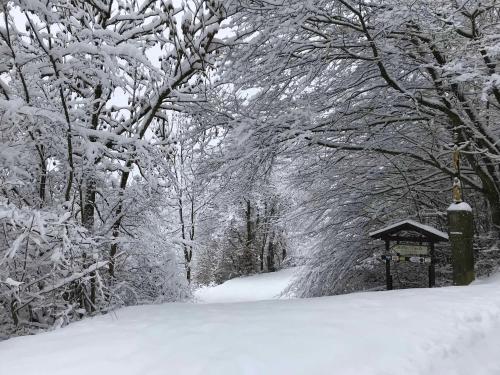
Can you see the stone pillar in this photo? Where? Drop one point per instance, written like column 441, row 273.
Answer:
column 461, row 233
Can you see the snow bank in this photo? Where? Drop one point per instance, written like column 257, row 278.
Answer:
column 442, row 331
column 252, row 288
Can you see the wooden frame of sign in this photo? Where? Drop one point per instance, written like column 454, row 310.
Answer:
column 414, row 242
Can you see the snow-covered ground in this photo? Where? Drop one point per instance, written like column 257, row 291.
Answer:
column 252, row 288
column 446, row 331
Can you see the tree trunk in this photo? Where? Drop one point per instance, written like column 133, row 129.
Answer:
column 88, row 211
column 118, row 221
column 43, row 179
column 270, row 254
column 248, row 265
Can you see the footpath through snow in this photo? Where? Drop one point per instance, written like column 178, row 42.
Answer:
column 446, row 331
column 244, row 289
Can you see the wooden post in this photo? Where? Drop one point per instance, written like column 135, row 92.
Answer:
column 461, row 233
column 432, row 267
column 388, row 277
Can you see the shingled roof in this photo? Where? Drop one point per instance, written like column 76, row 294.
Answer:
column 427, row 231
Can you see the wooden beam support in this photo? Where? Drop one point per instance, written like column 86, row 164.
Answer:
column 432, row 268
column 388, row 277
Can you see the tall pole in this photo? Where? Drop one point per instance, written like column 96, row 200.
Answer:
column 461, row 230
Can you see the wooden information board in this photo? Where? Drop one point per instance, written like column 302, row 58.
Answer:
column 410, row 249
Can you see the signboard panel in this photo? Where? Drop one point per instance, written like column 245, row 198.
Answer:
column 412, row 259
column 410, row 249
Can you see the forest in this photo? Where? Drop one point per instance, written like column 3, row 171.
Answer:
column 149, row 147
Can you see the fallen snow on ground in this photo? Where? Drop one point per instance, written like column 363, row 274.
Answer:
column 443, row 331
column 251, row 288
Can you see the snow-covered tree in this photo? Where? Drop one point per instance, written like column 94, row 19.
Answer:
column 373, row 96
column 85, row 90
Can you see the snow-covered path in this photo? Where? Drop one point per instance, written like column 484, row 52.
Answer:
column 447, row 331
column 244, row 289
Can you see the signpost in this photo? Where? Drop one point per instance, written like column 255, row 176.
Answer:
column 410, row 237
column 404, row 249
column 411, row 259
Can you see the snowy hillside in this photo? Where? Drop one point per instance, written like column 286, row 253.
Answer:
column 251, row 288
column 447, row 331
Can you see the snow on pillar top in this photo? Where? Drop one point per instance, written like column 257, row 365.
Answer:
column 462, row 206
